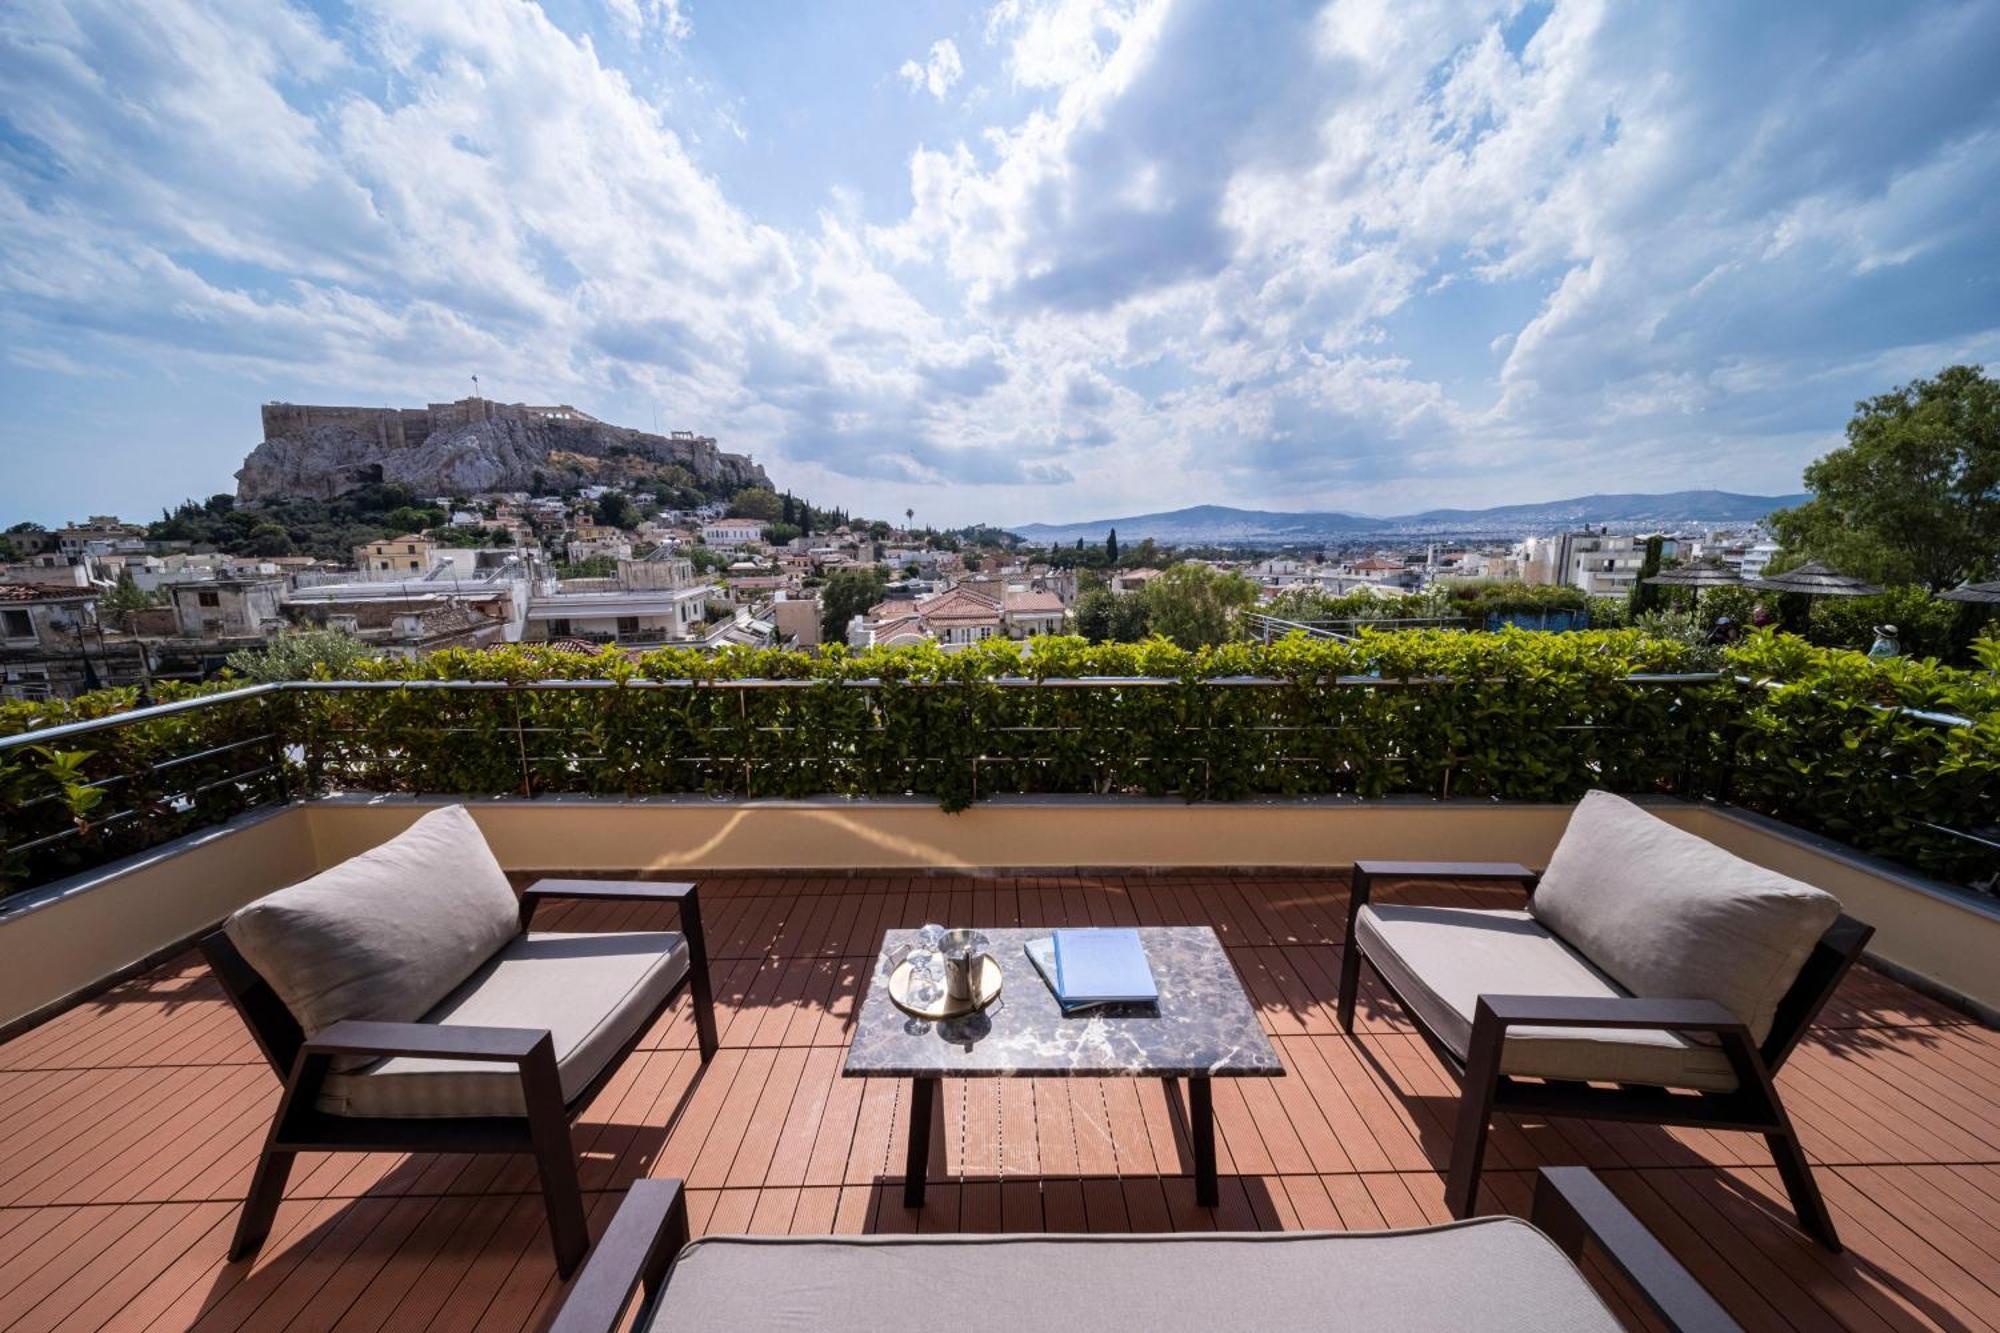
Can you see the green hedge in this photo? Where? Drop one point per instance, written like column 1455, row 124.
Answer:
column 1510, row 715
column 1516, row 716
column 1830, row 740
column 75, row 803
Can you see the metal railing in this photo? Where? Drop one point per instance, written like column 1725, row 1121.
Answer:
column 154, row 773
column 1348, row 629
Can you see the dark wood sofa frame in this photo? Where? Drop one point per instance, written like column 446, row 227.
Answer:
column 1571, row 1207
column 1754, row 1105
column 302, row 1065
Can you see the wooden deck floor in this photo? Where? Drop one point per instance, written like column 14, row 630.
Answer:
column 128, row 1127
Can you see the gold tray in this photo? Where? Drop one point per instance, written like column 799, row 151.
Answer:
column 985, row 991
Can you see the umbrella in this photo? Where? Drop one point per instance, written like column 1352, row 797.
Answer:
column 1816, row 580
column 1974, row 592
column 1707, row 574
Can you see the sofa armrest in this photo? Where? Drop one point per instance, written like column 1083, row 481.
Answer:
column 1611, row 1011
column 623, row 890
column 431, row 1041
column 1472, row 870
column 1361, row 885
column 687, row 903
column 639, row 1246
column 1571, row 1205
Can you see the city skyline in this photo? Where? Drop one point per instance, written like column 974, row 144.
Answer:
column 1000, row 262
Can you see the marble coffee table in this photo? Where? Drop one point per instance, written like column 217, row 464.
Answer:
column 1203, row 1028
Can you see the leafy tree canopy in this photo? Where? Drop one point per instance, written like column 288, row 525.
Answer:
column 615, row 509
column 1195, row 605
column 311, row 654
column 1914, row 494
column 757, row 502
column 845, row 595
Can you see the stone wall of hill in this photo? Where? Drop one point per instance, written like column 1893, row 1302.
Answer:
column 465, row 447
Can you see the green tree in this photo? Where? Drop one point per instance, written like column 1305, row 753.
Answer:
column 1195, row 605
column 301, row 655
column 1914, row 494
column 124, row 599
column 706, row 559
column 756, row 502
column 1646, row 596
column 615, row 509
column 412, row 518
column 845, row 595
column 1111, row 547
column 781, row 532
column 1103, row 616
column 269, row 538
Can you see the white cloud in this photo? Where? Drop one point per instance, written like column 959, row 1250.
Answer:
column 1374, row 256
column 637, row 18
column 938, row 72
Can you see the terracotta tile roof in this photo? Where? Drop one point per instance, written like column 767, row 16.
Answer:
column 959, row 604
column 1034, row 603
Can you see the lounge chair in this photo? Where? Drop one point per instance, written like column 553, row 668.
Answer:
column 406, row 1007
column 1495, row 1274
column 1654, row 977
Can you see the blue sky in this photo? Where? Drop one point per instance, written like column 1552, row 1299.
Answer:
column 1004, row 261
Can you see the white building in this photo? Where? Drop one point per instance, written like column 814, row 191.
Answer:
column 728, row 533
column 627, row 615
column 1602, row 564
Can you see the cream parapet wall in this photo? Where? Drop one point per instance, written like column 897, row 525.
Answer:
column 64, row 938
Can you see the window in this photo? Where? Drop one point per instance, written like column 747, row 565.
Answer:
column 628, row 624
column 17, row 624
column 413, row 564
column 206, row 598
column 558, row 629
column 410, row 550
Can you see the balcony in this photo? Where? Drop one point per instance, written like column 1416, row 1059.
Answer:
column 132, row 1111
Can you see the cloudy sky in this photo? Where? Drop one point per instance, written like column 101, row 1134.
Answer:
column 1032, row 259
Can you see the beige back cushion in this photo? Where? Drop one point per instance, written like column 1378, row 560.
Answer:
column 387, row 934
column 1670, row 915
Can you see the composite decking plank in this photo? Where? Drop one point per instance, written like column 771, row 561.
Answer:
column 128, row 1127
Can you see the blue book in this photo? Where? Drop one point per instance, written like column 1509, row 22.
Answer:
column 1103, row 967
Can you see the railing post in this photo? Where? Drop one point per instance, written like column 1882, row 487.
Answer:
column 267, row 706
column 521, row 744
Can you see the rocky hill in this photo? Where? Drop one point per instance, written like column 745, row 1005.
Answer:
column 470, row 446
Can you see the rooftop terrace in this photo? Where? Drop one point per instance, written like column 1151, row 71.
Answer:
column 131, row 1120
column 901, row 789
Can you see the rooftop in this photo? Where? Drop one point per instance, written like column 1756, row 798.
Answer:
column 132, row 1120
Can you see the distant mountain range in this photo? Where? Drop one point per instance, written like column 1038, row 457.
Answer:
column 1219, row 525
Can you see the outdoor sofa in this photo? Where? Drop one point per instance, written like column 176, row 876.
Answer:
column 1493, row 1274
column 1653, row 977
column 406, row 1007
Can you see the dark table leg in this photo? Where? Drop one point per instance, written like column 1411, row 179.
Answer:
column 923, row 1091
column 1201, row 1125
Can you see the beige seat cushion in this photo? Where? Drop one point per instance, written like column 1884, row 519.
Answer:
column 592, row 992
column 1442, row 959
column 386, row 934
column 1670, row 915
column 1495, row 1274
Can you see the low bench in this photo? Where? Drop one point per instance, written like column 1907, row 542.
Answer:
column 1494, row 1273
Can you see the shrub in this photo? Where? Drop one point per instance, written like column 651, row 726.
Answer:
column 1926, row 625
column 1821, row 738
column 1830, row 740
